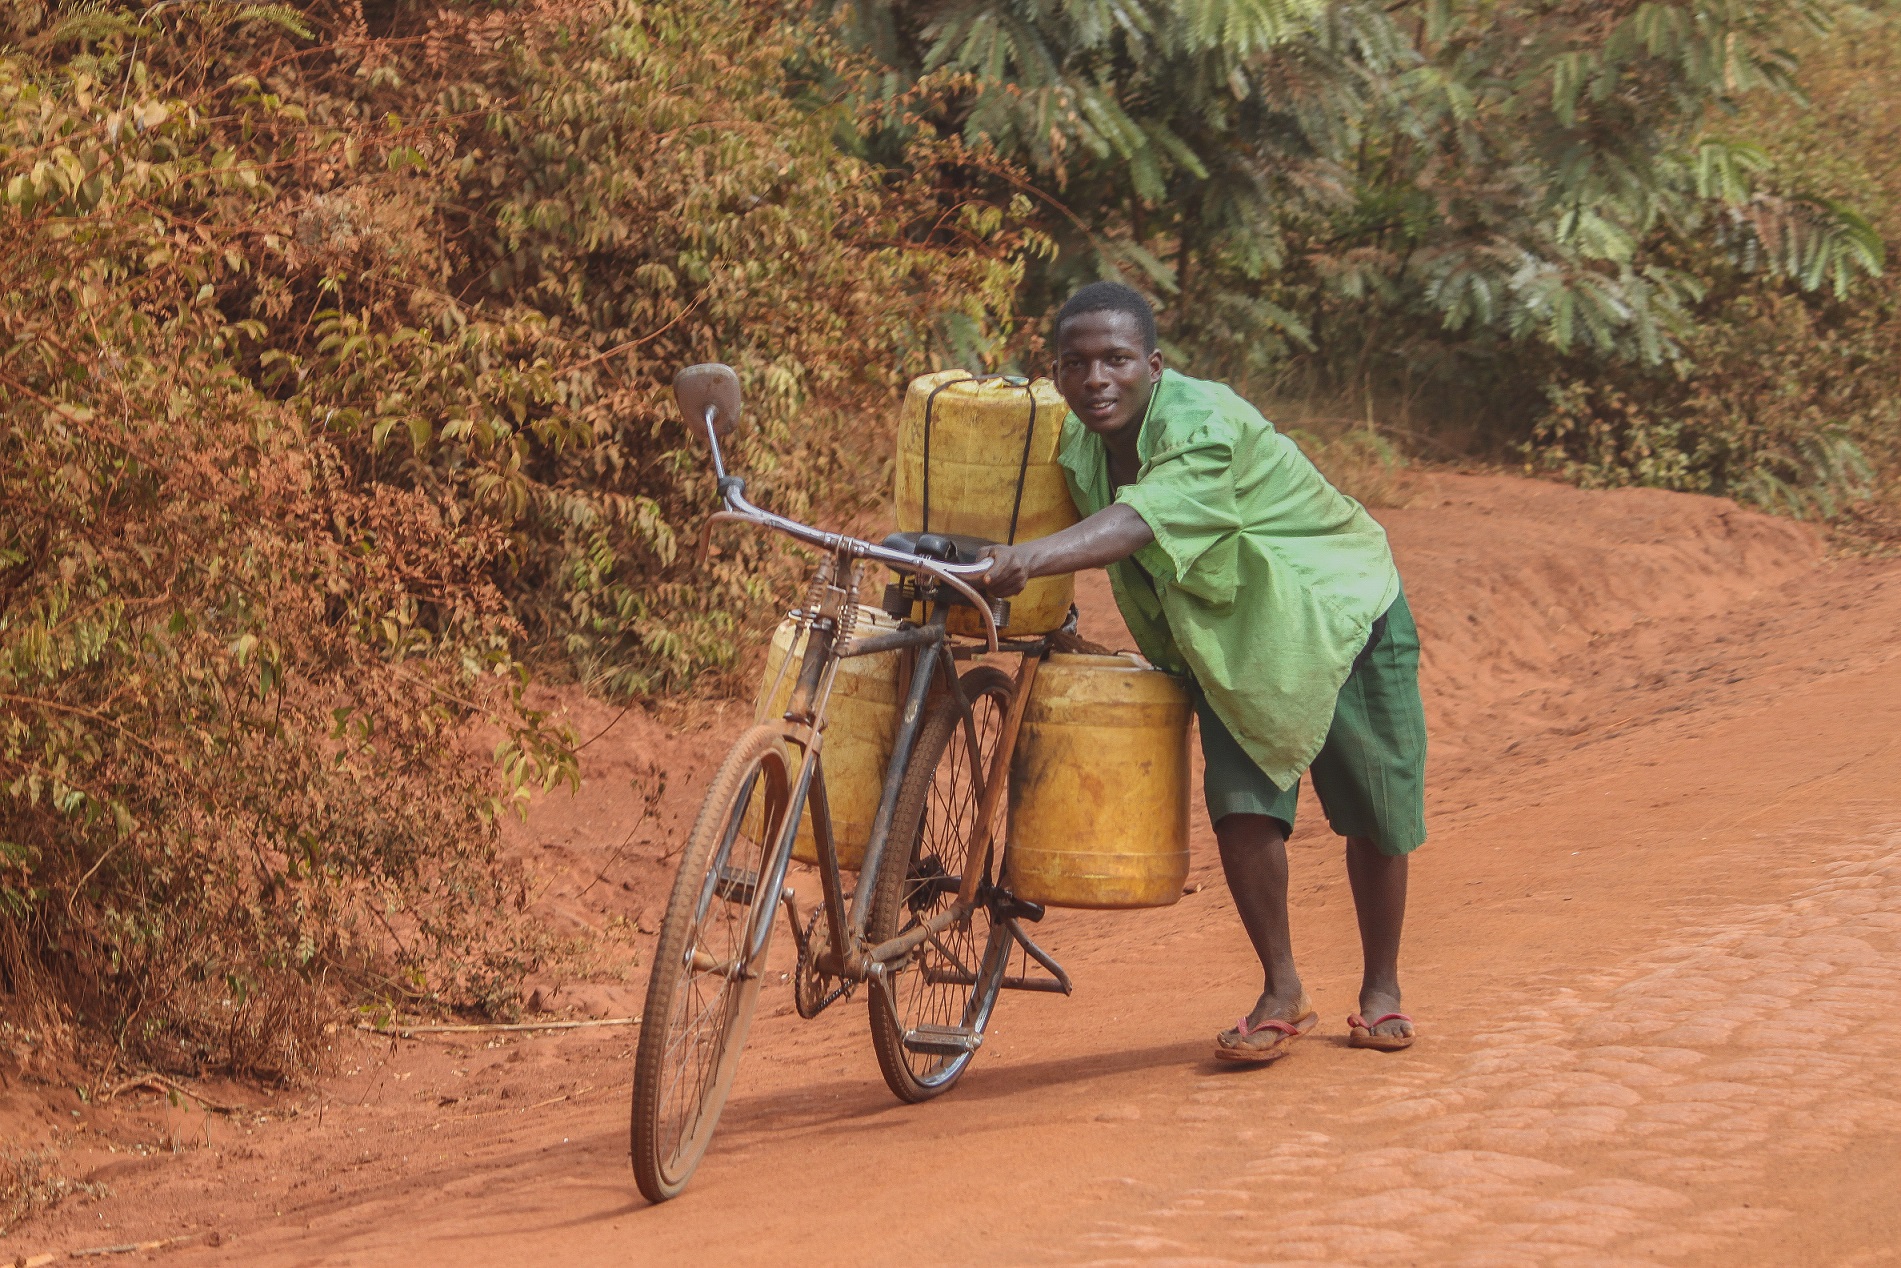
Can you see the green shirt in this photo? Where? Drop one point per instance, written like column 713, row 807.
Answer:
column 1266, row 579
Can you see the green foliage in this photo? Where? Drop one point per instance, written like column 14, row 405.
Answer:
column 332, row 396
column 1491, row 169
column 1784, row 395
column 1165, row 134
column 1458, row 201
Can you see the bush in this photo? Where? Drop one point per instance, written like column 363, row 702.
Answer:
column 1359, row 462
column 333, row 397
column 1772, row 406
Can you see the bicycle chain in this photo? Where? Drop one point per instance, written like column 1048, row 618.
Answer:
column 809, row 986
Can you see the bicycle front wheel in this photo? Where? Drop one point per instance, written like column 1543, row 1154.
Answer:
column 927, row 1028
column 704, row 984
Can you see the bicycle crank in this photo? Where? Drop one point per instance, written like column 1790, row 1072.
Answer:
column 813, row 990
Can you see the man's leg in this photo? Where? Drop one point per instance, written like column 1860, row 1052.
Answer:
column 1379, row 900
column 1254, row 860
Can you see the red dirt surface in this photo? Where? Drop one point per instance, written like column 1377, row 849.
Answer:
column 1654, row 951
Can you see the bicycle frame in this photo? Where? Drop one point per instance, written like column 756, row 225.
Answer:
column 835, row 589
column 953, row 938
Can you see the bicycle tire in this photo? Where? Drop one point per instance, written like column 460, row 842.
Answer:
column 931, row 821
column 700, row 996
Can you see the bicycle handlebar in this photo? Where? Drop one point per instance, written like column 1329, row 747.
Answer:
column 732, row 490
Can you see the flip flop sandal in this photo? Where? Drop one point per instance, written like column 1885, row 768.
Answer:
column 1360, row 1033
column 1260, row 1054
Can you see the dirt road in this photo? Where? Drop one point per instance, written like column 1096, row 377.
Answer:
column 1654, row 949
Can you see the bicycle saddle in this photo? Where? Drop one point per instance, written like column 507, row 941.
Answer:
column 948, row 548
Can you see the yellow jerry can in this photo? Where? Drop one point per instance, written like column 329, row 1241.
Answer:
column 861, row 729
column 1099, row 786
column 988, row 439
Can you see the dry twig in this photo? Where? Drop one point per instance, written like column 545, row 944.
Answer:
column 404, row 1032
column 159, row 1082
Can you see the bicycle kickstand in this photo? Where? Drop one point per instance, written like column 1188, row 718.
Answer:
column 1012, row 915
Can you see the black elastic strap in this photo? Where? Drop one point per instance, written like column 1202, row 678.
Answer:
column 1023, row 467
column 930, row 403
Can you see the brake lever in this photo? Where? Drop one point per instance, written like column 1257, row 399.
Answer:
column 976, row 600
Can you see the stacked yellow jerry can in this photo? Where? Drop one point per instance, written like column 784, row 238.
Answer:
column 1098, row 795
column 978, row 457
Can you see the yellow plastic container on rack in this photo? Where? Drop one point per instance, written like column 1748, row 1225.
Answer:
column 860, row 731
column 983, row 436
column 1099, row 786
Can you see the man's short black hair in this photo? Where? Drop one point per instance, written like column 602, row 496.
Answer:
column 1109, row 297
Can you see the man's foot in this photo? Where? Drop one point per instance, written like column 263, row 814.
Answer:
column 1379, row 1024
column 1266, row 1033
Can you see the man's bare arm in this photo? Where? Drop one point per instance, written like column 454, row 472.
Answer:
column 1115, row 532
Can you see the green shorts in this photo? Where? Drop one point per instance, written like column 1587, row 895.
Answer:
column 1370, row 774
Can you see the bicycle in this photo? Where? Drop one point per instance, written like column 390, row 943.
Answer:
column 930, row 924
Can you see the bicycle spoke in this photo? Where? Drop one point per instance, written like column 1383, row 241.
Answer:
column 956, row 961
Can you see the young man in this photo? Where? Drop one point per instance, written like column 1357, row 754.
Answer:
column 1237, row 565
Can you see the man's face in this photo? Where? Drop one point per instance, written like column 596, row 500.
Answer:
column 1103, row 371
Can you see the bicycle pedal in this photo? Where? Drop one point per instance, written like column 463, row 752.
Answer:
column 1012, row 907
column 946, row 1041
column 736, row 886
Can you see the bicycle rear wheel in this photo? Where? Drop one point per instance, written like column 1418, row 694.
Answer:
column 703, row 986
column 925, row 1031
